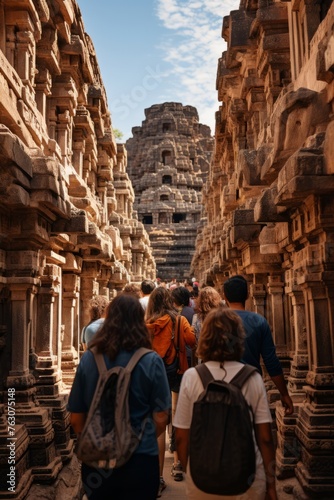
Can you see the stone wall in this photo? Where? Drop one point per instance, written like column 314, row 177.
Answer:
column 269, row 208
column 67, row 225
column 168, row 160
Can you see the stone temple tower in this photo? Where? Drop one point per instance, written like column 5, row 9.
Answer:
column 168, row 160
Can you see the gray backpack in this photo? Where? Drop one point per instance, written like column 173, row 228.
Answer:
column 108, row 439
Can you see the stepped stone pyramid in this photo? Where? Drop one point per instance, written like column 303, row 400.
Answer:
column 168, row 162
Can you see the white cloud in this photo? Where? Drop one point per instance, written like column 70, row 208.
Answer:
column 192, row 50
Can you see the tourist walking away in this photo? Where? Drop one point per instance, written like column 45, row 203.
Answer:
column 123, row 333
column 132, row 289
column 259, row 341
column 208, row 298
column 170, row 335
column 146, row 287
column 181, row 301
column 221, row 347
column 97, row 309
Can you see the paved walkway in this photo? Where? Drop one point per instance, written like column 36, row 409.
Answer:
column 67, row 485
column 176, row 490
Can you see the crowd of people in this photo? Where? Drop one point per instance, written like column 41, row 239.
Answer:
column 183, row 325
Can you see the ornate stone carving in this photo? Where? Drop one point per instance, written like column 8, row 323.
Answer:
column 273, row 157
column 67, row 225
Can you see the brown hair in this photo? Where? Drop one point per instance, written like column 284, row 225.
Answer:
column 222, row 336
column 123, row 328
column 98, row 305
column 132, row 289
column 159, row 304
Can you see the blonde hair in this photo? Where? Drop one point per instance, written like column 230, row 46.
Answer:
column 208, row 298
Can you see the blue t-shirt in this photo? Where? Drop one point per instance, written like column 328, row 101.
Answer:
column 149, row 392
column 259, row 342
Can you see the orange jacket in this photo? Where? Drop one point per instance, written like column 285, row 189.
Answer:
column 162, row 343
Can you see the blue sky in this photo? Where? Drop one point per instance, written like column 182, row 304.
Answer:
column 153, row 51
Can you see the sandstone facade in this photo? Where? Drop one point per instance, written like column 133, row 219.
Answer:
column 168, row 160
column 67, row 226
column 269, row 206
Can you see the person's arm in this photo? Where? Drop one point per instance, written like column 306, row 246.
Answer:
column 182, row 446
column 188, row 332
column 265, row 442
column 77, row 421
column 161, row 420
column 287, row 403
column 274, row 368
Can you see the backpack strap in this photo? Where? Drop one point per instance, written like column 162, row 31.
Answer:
column 101, row 364
column 240, row 378
column 137, row 355
column 204, row 374
column 99, row 360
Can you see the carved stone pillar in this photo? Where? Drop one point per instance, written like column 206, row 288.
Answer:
column 43, row 89
column 299, row 366
column 103, row 280
column 139, row 267
column 315, row 471
column 43, row 461
column 69, row 353
column 275, row 290
column 258, row 294
column 89, row 288
column 20, row 377
column 288, row 446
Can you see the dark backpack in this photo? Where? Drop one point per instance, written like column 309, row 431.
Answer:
column 108, row 439
column 221, row 447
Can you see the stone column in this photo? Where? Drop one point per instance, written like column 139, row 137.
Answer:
column 89, row 288
column 50, row 393
column 288, row 446
column 69, row 354
column 139, row 266
column 20, row 376
column 43, row 89
column 275, row 295
column 275, row 290
column 258, row 293
column 315, row 471
column 43, row 461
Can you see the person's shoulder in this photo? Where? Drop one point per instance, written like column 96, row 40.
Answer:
column 95, row 325
column 252, row 316
column 87, row 361
column 191, row 374
column 150, row 357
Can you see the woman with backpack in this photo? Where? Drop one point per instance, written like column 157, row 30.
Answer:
column 123, row 333
column 224, row 473
column 170, row 334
